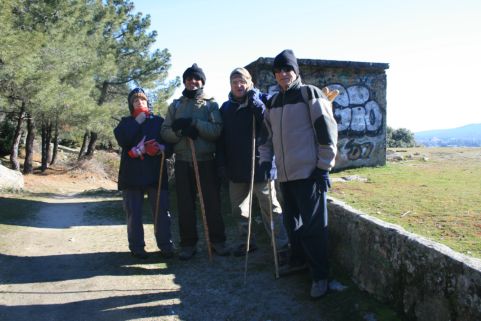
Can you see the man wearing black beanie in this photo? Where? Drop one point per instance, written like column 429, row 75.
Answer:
column 195, row 116
column 194, row 72
column 302, row 134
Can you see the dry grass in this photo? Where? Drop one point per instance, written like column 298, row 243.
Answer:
column 433, row 192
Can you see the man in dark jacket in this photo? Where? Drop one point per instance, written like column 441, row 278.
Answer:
column 195, row 117
column 303, row 136
column 234, row 156
column 139, row 137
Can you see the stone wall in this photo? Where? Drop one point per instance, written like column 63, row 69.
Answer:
column 424, row 280
column 360, row 109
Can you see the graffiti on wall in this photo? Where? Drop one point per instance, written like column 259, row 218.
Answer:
column 356, row 113
column 359, row 118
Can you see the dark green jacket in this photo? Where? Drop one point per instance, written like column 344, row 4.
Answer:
column 206, row 118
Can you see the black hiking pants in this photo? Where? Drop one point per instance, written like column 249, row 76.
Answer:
column 305, row 218
column 186, row 188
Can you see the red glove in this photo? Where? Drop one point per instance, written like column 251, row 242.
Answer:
column 152, row 148
column 138, row 151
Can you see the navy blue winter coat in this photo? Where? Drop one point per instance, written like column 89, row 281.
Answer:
column 135, row 173
column 234, row 147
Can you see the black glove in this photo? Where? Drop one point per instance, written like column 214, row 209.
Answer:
column 265, row 170
column 322, row 177
column 181, row 123
column 191, row 132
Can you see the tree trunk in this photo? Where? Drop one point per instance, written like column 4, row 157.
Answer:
column 92, row 142
column 84, row 145
column 55, row 143
column 16, row 140
column 46, row 138
column 49, row 142
column 28, row 164
column 103, row 93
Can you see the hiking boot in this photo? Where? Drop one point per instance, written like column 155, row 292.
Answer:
column 319, row 289
column 220, row 249
column 167, row 253
column 187, row 252
column 241, row 249
column 292, row 268
column 140, row 254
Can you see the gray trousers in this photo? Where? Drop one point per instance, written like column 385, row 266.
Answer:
column 239, row 198
column 133, row 200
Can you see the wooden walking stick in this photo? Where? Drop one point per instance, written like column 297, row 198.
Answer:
column 251, row 192
column 201, row 197
column 273, row 237
column 157, row 202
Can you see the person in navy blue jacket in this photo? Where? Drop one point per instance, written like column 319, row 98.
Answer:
column 139, row 137
column 234, row 159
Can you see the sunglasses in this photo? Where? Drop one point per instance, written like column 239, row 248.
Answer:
column 283, row 69
column 193, row 78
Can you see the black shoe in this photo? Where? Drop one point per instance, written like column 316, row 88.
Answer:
column 140, row 254
column 292, row 268
column 187, row 252
column 220, row 249
column 241, row 249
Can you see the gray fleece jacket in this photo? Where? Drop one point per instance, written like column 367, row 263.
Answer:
column 301, row 135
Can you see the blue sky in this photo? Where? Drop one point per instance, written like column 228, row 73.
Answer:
column 433, row 47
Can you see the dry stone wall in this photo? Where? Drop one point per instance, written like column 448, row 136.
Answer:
column 425, row 280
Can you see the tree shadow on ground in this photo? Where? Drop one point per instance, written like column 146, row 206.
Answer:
column 121, row 307
column 53, row 268
column 35, row 213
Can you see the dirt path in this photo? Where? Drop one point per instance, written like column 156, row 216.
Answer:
column 65, row 261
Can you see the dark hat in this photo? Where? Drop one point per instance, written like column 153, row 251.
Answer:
column 136, row 92
column 286, row 59
column 195, row 72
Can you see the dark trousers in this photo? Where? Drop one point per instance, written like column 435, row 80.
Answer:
column 305, row 218
column 133, row 200
column 186, row 188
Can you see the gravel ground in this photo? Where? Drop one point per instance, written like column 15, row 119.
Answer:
column 68, row 260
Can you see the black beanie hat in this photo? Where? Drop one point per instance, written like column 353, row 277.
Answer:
column 286, row 58
column 194, row 71
column 136, row 92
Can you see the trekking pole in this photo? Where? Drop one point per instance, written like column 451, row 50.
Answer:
column 273, row 238
column 157, row 202
column 251, row 192
column 201, row 197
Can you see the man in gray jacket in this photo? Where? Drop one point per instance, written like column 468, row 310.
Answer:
column 302, row 134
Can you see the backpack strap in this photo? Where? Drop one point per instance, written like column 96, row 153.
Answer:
column 304, row 93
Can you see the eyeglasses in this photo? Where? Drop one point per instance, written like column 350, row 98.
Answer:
column 283, row 69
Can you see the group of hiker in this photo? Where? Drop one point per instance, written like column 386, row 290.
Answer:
column 279, row 148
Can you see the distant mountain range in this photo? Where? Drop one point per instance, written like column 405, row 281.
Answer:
column 469, row 136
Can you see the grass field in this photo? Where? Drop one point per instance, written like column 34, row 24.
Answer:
column 434, row 192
